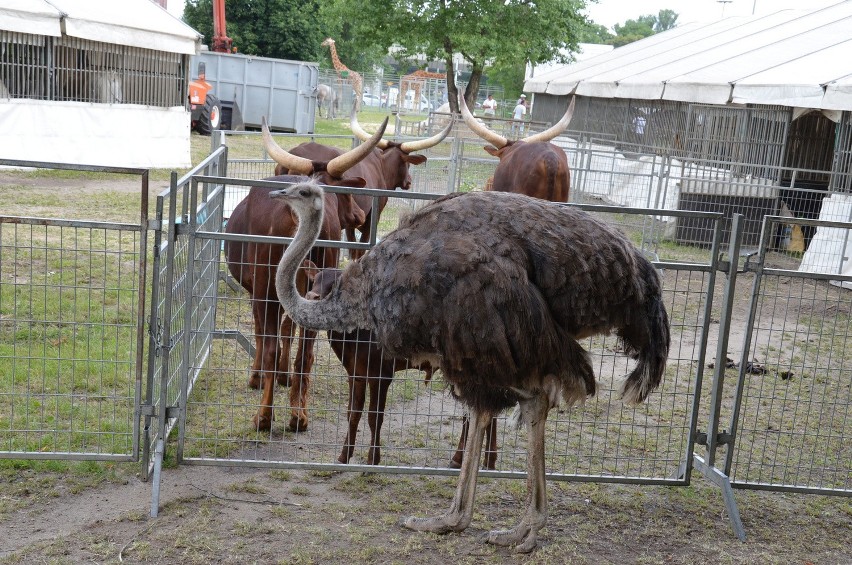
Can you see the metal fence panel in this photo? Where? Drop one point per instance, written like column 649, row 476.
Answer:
column 791, row 419
column 170, row 349
column 72, row 295
column 602, row 441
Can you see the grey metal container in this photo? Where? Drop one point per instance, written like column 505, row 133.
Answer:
column 283, row 91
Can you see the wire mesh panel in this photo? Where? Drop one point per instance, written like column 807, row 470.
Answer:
column 421, row 422
column 71, row 332
column 793, row 422
column 171, row 348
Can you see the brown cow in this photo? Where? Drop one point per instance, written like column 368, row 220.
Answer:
column 254, row 265
column 386, row 167
column 531, row 166
column 367, row 365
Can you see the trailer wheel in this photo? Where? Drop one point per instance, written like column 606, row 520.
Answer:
column 211, row 115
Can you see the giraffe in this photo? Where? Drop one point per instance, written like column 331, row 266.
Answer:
column 414, row 81
column 353, row 77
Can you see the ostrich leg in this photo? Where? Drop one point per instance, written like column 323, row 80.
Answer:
column 524, row 535
column 461, row 510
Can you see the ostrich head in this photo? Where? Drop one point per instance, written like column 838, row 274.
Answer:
column 304, row 198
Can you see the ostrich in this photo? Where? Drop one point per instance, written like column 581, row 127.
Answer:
column 495, row 289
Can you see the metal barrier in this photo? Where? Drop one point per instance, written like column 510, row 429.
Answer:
column 172, row 346
column 72, row 310
column 777, row 419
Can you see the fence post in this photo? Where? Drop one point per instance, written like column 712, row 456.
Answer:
column 715, row 439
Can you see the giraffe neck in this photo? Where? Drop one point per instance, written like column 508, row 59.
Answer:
column 335, row 60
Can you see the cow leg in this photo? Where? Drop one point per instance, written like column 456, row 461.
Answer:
column 300, row 381
column 266, row 315
column 490, row 459
column 357, row 389
column 287, row 333
column 458, row 456
column 376, row 416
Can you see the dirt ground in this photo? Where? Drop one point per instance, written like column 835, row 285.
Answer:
column 228, row 515
column 99, row 513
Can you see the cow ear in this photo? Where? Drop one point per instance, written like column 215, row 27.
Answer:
column 310, row 269
column 491, row 150
column 355, row 182
column 415, row 159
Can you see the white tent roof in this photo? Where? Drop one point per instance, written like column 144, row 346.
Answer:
column 137, row 23
column 799, row 58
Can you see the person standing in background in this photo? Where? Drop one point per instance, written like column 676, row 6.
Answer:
column 489, row 106
column 518, row 115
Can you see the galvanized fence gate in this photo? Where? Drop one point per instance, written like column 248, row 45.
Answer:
column 72, row 320
column 777, row 420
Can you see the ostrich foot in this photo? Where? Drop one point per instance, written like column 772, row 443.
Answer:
column 444, row 524
column 523, row 536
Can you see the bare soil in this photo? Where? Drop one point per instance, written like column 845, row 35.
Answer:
column 100, row 513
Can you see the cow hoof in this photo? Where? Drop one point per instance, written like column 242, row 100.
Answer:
column 284, row 380
column 262, row 423
column 297, row 426
column 255, row 381
column 455, row 463
column 373, row 457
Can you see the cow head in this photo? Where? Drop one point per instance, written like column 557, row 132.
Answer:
column 500, row 145
column 397, row 157
column 327, row 172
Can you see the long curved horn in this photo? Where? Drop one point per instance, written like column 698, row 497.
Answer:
column 421, row 144
column 359, row 131
column 297, row 165
column 340, row 164
column 556, row 128
column 485, row 133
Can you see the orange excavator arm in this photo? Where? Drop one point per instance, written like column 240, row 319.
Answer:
column 221, row 41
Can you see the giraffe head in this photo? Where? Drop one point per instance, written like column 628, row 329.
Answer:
column 328, row 42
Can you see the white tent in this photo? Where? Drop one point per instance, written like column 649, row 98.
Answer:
column 797, row 58
column 117, row 133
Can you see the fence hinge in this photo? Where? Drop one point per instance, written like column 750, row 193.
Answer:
column 172, row 412
column 722, row 438
column 155, row 224
column 147, row 410
column 724, row 266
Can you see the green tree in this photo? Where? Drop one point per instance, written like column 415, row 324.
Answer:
column 487, row 32
column 666, row 19
column 643, row 26
column 283, row 29
column 595, row 33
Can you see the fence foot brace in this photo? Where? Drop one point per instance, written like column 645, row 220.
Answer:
column 155, row 483
column 721, row 480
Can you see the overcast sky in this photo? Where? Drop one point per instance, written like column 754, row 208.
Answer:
column 611, row 12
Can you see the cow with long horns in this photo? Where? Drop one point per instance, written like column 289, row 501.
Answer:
column 254, row 265
column 532, row 165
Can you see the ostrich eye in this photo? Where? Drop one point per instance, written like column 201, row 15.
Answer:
column 304, row 192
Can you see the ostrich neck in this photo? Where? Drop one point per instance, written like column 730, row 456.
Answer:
column 326, row 314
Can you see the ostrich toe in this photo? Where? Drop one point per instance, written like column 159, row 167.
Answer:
column 444, row 524
column 523, row 537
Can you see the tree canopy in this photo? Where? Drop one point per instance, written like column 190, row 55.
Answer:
column 284, row 29
column 487, row 32
column 643, row 26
